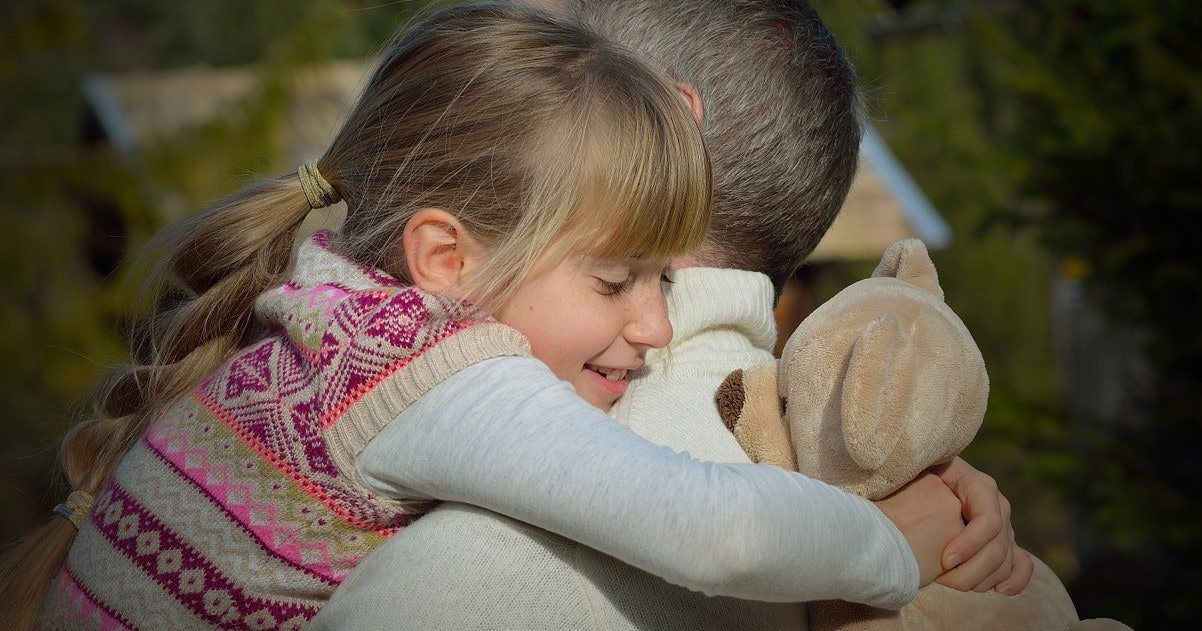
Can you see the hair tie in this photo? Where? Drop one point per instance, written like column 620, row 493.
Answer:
column 318, row 191
column 76, row 507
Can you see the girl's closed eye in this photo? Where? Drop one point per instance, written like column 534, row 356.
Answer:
column 610, row 287
column 614, row 277
column 616, row 288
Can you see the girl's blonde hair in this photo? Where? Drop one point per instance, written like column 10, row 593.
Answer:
column 528, row 131
column 533, row 133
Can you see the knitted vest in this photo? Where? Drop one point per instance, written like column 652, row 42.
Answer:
column 241, row 507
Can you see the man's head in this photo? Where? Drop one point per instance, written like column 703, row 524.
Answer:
column 781, row 115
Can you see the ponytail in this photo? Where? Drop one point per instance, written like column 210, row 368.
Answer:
column 220, row 259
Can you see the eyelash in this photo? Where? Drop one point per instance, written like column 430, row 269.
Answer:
column 610, row 288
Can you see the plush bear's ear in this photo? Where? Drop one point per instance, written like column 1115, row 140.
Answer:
column 908, row 260
column 730, row 399
column 751, row 409
column 876, row 390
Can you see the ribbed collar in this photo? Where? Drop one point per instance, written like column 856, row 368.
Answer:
column 702, row 299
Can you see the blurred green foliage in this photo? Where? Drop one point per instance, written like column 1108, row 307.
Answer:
column 1105, row 121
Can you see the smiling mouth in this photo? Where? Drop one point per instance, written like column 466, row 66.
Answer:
column 610, row 374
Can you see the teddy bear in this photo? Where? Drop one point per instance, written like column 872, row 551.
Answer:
column 875, row 386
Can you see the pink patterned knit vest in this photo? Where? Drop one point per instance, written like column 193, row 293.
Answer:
column 241, row 507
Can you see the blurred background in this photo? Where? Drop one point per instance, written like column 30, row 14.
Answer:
column 1058, row 141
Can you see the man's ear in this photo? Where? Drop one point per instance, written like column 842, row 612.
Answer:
column 693, row 100
column 438, row 250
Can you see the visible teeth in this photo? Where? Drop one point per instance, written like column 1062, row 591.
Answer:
column 615, row 375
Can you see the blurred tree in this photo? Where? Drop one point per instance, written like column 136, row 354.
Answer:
column 1103, row 115
column 73, row 211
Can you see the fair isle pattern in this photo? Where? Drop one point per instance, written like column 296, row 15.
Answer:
column 267, row 506
column 183, row 571
column 238, row 509
column 103, row 552
column 266, row 391
column 342, row 336
column 208, row 526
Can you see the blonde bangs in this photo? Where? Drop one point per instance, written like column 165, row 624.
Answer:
column 620, row 172
column 641, row 180
column 650, row 193
column 619, row 184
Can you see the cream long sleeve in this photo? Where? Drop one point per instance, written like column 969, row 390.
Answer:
column 507, row 436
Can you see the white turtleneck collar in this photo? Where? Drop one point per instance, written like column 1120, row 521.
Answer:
column 722, row 307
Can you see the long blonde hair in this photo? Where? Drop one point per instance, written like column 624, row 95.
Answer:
column 528, row 130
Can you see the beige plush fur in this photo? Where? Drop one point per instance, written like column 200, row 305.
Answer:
column 876, row 385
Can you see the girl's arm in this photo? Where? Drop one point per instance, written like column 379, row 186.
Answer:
column 508, row 436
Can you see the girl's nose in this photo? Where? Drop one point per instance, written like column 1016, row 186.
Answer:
column 649, row 326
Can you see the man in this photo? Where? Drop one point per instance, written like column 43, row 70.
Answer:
column 779, row 108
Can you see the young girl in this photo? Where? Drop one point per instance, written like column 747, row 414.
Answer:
column 293, row 416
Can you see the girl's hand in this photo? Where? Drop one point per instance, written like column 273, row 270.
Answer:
column 984, row 556
column 928, row 514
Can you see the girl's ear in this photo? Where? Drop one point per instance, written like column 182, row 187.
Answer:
column 438, row 250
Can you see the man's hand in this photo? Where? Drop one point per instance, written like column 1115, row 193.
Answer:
column 928, row 515
column 983, row 556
